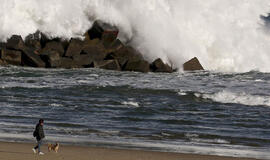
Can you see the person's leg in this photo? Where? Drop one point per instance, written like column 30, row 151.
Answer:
column 39, row 145
column 36, row 147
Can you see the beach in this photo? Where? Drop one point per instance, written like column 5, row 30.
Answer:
column 23, row 151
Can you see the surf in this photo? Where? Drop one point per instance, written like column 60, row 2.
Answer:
column 226, row 35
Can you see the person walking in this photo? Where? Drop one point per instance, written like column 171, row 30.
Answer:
column 39, row 134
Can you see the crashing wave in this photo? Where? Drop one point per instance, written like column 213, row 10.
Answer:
column 226, row 35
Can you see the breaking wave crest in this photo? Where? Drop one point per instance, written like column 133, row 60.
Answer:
column 238, row 98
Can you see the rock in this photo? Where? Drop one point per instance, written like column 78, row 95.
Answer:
column 54, row 46
column 75, row 47
column 108, row 64
column 11, row 56
column 137, row 66
column 67, row 63
column 15, row 43
column 115, row 46
column 30, row 58
column 33, row 41
column 3, row 63
column 266, row 19
column 86, row 37
column 44, row 39
column 84, row 60
column 92, row 43
column 128, row 52
column 34, row 36
column 100, row 49
column 2, row 45
column 159, row 66
column 193, row 65
column 103, row 31
column 125, row 54
column 51, row 58
column 29, row 55
column 95, row 52
column 65, row 44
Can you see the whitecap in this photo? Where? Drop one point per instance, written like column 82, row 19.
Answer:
column 217, row 141
column 191, row 135
column 259, row 80
column 130, row 103
column 182, row 93
column 238, row 98
column 56, row 105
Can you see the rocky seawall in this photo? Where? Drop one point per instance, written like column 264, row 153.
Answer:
column 100, row 49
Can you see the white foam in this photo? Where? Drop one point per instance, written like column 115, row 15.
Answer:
column 240, row 98
column 218, row 141
column 130, row 103
column 191, row 135
column 181, row 93
column 259, row 80
column 226, row 35
column 56, row 105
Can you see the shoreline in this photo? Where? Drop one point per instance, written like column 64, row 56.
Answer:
column 22, row 151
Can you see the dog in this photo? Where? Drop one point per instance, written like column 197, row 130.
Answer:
column 53, row 147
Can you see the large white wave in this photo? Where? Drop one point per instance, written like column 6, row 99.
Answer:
column 226, row 35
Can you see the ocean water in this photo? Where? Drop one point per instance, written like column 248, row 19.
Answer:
column 195, row 112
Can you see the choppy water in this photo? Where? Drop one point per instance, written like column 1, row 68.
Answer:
column 201, row 112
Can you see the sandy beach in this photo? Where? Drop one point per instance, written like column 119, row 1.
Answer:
column 22, row 151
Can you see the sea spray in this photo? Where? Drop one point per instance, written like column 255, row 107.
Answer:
column 226, row 35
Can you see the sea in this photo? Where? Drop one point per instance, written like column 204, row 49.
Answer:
column 224, row 110
column 202, row 112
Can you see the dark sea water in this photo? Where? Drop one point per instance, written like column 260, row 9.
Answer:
column 201, row 112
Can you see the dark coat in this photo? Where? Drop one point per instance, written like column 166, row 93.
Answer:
column 40, row 133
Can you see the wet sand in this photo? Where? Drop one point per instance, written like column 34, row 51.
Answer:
column 23, row 151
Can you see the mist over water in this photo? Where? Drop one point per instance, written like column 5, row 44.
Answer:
column 226, row 35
